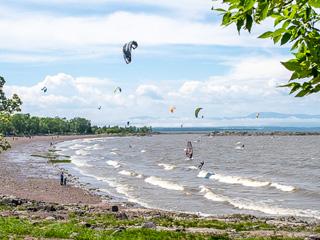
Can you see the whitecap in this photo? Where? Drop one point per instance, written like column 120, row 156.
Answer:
column 115, row 164
column 143, row 151
column 285, row 188
column 167, row 166
column 258, row 206
column 127, row 173
column 164, row 183
column 82, row 152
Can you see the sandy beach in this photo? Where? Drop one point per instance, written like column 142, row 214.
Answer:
column 14, row 180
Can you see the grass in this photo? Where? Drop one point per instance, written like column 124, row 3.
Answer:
column 53, row 157
column 59, row 161
column 107, row 226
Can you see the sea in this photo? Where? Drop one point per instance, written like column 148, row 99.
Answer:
column 259, row 175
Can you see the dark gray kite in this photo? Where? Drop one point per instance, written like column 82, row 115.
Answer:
column 127, row 50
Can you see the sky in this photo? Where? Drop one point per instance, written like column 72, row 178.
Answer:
column 185, row 59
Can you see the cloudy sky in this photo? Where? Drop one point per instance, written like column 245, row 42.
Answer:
column 185, row 59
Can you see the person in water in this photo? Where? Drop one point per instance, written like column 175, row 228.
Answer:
column 61, row 178
column 201, row 164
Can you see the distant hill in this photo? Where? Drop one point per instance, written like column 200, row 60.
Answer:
column 281, row 115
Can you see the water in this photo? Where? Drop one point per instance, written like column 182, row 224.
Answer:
column 271, row 175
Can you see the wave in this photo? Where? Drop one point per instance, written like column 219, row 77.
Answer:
column 258, row 206
column 143, row 151
column 114, row 153
column 79, row 162
column 76, row 146
column 82, row 152
column 164, row 183
column 248, row 182
column 192, row 167
column 115, row 164
column 115, row 149
column 167, row 166
column 128, row 173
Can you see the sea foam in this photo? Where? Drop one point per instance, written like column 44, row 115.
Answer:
column 164, row 183
column 258, row 206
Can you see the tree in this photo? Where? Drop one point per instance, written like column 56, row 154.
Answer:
column 7, row 107
column 298, row 21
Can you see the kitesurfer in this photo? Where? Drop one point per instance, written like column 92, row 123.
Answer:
column 201, row 164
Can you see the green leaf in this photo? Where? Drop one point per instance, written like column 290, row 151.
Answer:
column 218, row 9
column 240, row 23
column 248, row 4
column 226, row 18
column 302, row 93
column 262, row 10
column 292, row 65
column 266, row 34
column 314, row 3
column 249, row 22
column 278, row 20
column 285, row 38
column 276, row 38
column 295, row 45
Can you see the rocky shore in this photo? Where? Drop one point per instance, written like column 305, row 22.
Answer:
column 121, row 221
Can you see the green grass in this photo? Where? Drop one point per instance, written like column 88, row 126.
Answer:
column 19, row 228
column 59, row 161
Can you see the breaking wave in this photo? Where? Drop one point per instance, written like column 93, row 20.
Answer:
column 258, row 206
column 164, row 183
column 248, row 182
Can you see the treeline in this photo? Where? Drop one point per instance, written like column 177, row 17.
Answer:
column 24, row 124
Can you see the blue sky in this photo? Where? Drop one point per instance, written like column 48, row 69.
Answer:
column 185, row 59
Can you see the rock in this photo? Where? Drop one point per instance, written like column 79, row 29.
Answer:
column 84, row 224
column 115, row 208
column 315, row 237
column 50, row 218
column 150, row 225
column 12, row 201
column 49, row 208
column 79, row 213
column 121, row 216
column 72, row 235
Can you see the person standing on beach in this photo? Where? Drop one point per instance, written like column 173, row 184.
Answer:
column 61, row 178
column 65, row 181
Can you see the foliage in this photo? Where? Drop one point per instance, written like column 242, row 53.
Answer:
column 7, row 107
column 296, row 23
column 21, row 124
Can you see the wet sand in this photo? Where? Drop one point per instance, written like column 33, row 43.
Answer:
column 18, row 178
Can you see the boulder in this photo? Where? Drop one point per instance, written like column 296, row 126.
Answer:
column 150, row 225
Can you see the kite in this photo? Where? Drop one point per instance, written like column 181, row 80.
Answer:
column 127, row 50
column 181, row 125
column 44, row 89
column 172, row 109
column 99, row 108
column 197, row 112
column 116, row 89
column 128, row 123
column 257, row 115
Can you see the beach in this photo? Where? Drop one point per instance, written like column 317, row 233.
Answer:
column 17, row 183
column 39, row 182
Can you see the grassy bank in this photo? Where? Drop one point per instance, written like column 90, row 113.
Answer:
column 24, row 218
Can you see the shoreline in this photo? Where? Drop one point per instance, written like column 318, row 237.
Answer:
column 46, row 190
